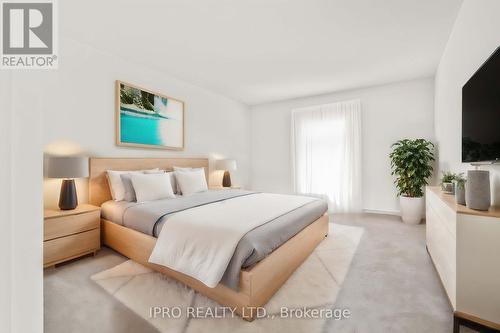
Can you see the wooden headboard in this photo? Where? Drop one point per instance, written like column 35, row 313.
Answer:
column 98, row 182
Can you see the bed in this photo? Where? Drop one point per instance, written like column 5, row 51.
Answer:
column 257, row 280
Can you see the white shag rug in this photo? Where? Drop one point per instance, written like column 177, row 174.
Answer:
column 315, row 284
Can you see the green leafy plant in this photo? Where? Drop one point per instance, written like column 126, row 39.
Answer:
column 411, row 163
column 448, row 177
column 460, row 180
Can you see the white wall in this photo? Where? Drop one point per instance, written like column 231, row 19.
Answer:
column 79, row 113
column 389, row 112
column 475, row 35
column 5, row 202
column 27, row 202
column 21, row 301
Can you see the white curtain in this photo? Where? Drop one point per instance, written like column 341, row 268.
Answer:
column 326, row 153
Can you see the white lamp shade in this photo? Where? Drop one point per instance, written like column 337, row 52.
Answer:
column 226, row 165
column 68, row 167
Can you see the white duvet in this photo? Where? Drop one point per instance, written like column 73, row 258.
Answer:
column 200, row 241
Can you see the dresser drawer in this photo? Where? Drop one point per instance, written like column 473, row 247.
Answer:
column 442, row 212
column 68, row 225
column 60, row 249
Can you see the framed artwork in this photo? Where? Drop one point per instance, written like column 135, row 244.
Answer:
column 148, row 119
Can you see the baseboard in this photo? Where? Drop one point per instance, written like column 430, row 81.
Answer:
column 384, row 212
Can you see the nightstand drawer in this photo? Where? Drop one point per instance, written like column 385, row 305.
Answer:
column 67, row 225
column 65, row 248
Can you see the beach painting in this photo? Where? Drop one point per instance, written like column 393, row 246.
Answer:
column 148, row 119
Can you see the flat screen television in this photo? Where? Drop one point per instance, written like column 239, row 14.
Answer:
column 481, row 113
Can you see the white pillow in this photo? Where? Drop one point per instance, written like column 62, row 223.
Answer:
column 129, row 188
column 172, row 177
column 116, row 186
column 149, row 187
column 153, row 171
column 191, row 181
column 177, row 187
column 173, row 181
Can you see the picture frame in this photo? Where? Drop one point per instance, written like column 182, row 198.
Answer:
column 147, row 119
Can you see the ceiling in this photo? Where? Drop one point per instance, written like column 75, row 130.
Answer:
column 259, row 51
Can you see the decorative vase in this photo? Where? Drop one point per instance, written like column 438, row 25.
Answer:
column 448, row 187
column 460, row 193
column 412, row 209
column 477, row 190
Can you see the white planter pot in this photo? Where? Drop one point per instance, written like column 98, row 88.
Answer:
column 412, row 209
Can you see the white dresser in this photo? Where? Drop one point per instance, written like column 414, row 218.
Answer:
column 464, row 245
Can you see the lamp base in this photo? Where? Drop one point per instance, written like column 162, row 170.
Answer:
column 68, row 199
column 226, row 180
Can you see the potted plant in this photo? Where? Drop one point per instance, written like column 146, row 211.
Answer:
column 411, row 163
column 447, row 184
column 459, row 184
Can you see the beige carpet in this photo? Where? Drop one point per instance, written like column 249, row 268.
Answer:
column 315, row 284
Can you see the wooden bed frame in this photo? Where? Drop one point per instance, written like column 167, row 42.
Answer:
column 257, row 283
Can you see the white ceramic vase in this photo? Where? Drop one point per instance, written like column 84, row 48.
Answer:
column 412, row 209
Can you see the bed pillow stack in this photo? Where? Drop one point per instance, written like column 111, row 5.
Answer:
column 155, row 184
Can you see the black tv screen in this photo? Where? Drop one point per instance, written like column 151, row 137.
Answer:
column 481, row 113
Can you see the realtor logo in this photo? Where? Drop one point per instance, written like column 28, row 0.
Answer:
column 28, row 31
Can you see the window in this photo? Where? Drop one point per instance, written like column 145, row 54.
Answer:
column 326, row 152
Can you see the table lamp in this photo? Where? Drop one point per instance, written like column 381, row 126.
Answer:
column 226, row 165
column 68, row 168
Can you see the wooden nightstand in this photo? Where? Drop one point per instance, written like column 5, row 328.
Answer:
column 68, row 234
